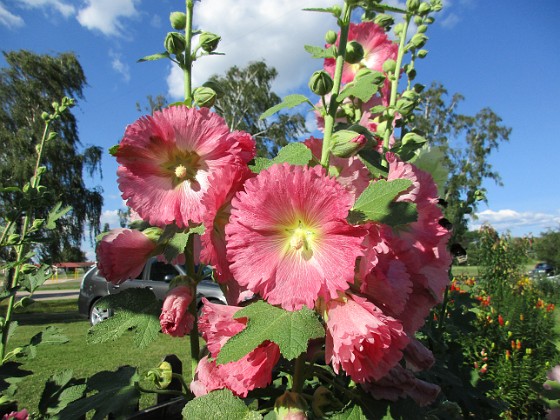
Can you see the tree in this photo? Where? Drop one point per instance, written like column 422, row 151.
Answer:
column 246, row 95
column 467, row 142
column 28, row 86
column 547, row 247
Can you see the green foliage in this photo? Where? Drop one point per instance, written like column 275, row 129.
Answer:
column 291, row 331
column 60, row 390
column 377, row 204
column 547, row 247
column 246, row 97
column 135, row 309
column 219, row 405
column 293, row 153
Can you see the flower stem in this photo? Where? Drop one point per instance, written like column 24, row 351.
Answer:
column 395, row 81
column 333, row 104
column 187, row 68
column 299, row 374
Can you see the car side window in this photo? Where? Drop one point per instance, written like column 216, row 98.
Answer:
column 160, row 270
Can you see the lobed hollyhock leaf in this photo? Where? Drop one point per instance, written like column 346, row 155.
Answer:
column 293, row 153
column 222, row 405
column 135, row 309
column 55, row 214
column 364, row 86
column 33, row 280
column 377, row 204
column 320, row 52
column 291, row 331
column 117, row 395
column 289, row 101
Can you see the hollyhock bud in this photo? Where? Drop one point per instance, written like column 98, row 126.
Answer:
column 204, row 97
column 384, row 20
column 389, row 66
column 290, row 406
column 354, row 52
column 424, row 9
column 178, row 20
column 209, row 41
column 331, row 37
column 174, row 43
column 321, row 83
column 175, row 318
column 412, row 5
column 161, row 376
column 343, row 147
column 122, row 253
column 216, row 87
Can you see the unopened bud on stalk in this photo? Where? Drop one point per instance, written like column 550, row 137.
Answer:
column 290, row 405
column 344, row 147
column 178, row 20
column 412, row 5
column 384, row 20
column 205, row 97
column 389, row 66
column 174, row 43
column 331, row 37
column 422, row 53
column 424, row 9
column 209, row 41
column 354, row 52
column 216, row 87
column 321, row 83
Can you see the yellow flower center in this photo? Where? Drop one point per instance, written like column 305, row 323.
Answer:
column 180, row 171
column 182, row 166
column 300, row 240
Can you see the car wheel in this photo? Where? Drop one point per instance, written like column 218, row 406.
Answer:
column 97, row 314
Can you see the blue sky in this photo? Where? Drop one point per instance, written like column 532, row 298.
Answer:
column 502, row 54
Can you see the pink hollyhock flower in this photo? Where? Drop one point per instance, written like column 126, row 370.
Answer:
column 254, row 370
column 122, row 253
column 166, row 161
column 175, row 318
column 400, row 383
column 246, row 144
column 418, row 357
column 361, row 339
column 288, row 238
column 17, row 415
column 378, row 48
column 217, row 201
column 352, row 173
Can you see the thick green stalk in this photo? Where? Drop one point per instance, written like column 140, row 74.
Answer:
column 299, row 374
column 395, row 81
column 187, row 69
column 20, row 249
column 333, row 105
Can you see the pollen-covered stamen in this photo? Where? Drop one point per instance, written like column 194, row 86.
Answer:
column 180, row 171
column 300, row 240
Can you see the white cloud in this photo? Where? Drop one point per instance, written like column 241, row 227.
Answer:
column 8, row 19
column 122, row 68
column 111, row 217
column 450, row 21
column 106, row 15
column 518, row 223
column 61, row 7
column 253, row 30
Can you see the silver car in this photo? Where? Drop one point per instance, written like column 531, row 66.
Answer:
column 155, row 276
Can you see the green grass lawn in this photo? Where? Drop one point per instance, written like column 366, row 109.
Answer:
column 84, row 359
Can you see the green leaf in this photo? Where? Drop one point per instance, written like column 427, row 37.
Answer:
column 50, row 335
column 116, row 395
column 373, row 161
column 410, row 143
column 291, row 331
column 320, row 52
column 60, row 390
column 219, row 405
column 364, row 85
column 55, row 214
column 289, row 101
column 430, row 159
column 293, row 153
column 32, row 281
column 352, row 413
column 154, row 57
column 376, row 204
column 175, row 240
column 135, row 309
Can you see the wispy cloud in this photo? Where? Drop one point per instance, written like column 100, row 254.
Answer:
column 8, row 19
column 119, row 66
column 518, row 223
column 106, row 16
column 59, row 6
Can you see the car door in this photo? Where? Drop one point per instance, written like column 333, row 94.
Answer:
column 158, row 275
